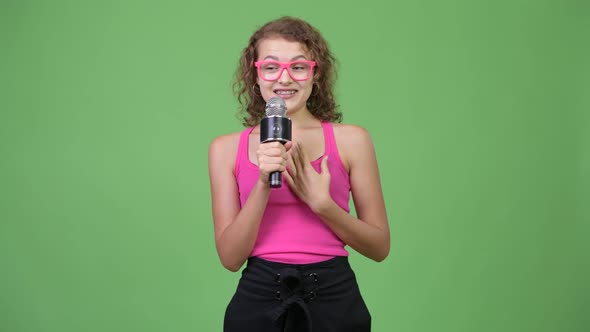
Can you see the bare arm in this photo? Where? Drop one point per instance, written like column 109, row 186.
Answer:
column 236, row 229
column 369, row 233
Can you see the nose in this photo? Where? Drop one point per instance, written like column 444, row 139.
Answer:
column 285, row 77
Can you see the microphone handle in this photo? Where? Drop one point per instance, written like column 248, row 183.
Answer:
column 274, row 179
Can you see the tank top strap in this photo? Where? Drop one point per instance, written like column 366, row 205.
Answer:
column 330, row 142
column 242, row 155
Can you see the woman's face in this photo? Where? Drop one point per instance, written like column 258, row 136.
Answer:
column 294, row 92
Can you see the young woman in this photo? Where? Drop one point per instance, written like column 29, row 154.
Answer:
column 293, row 238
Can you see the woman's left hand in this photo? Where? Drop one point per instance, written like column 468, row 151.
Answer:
column 311, row 187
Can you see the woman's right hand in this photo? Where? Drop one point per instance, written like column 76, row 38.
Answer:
column 272, row 157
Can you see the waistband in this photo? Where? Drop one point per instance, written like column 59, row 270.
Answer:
column 341, row 261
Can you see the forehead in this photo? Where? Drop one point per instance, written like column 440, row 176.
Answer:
column 281, row 48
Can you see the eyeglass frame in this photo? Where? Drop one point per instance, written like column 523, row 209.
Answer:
column 285, row 65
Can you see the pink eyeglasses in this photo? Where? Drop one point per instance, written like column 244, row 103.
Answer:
column 271, row 70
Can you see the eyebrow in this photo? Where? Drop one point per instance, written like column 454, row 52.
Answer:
column 277, row 59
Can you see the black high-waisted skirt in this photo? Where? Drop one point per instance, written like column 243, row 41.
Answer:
column 318, row 297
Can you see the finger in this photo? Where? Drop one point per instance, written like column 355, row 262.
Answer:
column 324, row 166
column 273, row 153
column 303, row 153
column 288, row 145
column 267, row 169
column 273, row 160
column 291, row 168
column 272, row 149
column 273, row 144
column 289, row 180
column 296, row 156
column 292, row 184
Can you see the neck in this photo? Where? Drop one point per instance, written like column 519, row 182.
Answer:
column 303, row 119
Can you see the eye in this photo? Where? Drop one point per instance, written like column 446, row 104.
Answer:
column 270, row 67
column 299, row 67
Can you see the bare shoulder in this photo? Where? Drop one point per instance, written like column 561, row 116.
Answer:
column 353, row 142
column 351, row 136
column 224, row 147
column 226, row 141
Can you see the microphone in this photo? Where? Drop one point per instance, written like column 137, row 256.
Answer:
column 275, row 127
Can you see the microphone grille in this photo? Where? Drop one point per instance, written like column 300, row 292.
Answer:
column 276, row 107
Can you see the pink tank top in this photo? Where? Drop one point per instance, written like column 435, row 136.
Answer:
column 290, row 232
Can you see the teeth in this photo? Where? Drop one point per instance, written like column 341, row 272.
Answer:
column 290, row 92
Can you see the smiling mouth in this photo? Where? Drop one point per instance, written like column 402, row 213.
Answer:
column 285, row 92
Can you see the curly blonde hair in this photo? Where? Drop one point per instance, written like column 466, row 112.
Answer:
column 321, row 102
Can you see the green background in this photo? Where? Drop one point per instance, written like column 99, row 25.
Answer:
column 478, row 111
